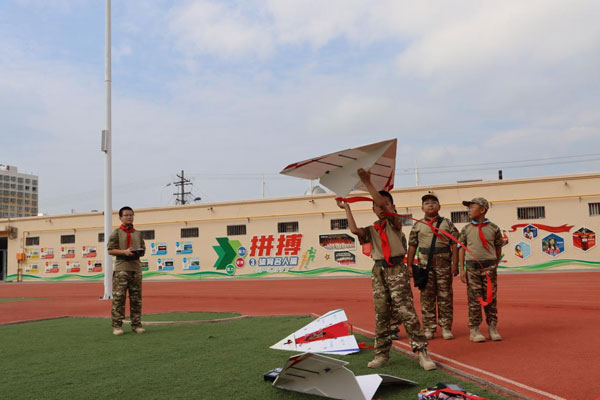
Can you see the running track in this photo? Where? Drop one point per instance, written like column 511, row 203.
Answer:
column 550, row 321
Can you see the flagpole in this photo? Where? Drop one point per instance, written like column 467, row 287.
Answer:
column 108, row 262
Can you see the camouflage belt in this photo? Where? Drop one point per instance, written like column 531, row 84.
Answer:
column 484, row 263
column 438, row 250
column 134, row 257
column 393, row 261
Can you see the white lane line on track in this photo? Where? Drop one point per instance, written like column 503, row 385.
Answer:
column 478, row 370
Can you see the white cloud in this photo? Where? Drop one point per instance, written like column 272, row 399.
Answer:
column 505, row 33
column 478, row 82
column 206, row 27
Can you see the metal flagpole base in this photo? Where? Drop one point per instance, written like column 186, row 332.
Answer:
column 106, row 296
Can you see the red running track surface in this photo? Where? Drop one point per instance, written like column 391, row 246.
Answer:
column 550, row 322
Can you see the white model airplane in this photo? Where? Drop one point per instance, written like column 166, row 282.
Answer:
column 337, row 171
column 330, row 333
column 328, row 377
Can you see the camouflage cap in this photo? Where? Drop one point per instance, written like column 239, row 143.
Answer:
column 429, row 196
column 478, row 200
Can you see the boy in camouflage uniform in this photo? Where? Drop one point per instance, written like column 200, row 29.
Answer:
column 127, row 245
column 444, row 265
column 396, row 320
column 484, row 239
column 390, row 279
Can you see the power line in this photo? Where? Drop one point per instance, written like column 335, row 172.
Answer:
column 440, row 169
column 492, row 166
column 509, row 162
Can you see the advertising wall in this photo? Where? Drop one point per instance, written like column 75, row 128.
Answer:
column 547, row 223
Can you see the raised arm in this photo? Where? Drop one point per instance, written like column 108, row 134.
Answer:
column 365, row 177
column 351, row 222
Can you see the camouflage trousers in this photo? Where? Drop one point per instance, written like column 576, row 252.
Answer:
column 391, row 291
column 438, row 290
column 477, row 287
column 121, row 282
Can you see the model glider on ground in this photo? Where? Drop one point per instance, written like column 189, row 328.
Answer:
column 337, row 171
column 330, row 333
column 328, row 377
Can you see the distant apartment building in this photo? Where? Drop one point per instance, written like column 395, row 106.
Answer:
column 18, row 193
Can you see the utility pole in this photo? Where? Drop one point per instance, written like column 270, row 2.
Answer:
column 107, row 149
column 181, row 193
column 417, row 180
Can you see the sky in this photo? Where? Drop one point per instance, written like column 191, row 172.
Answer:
column 233, row 91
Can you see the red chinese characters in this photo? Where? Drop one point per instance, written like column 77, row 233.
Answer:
column 287, row 244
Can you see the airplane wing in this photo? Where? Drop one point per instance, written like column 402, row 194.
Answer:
column 337, row 171
column 328, row 377
column 330, row 333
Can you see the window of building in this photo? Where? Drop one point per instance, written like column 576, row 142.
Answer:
column 66, row 239
column 26, row 187
column 148, row 234
column 594, row 209
column 19, row 187
column 27, row 195
column 459, row 217
column 233, row 230
column 407, row 221
column 32, row 241
column 13, row 186
column 6, row 178
column 101, row 237
column 6, row 185
column 34, row 189
column 531, row 212
column 20, row 180
column 34, row 203
column 34, row 182
column 189, row 232
column 27, row 180
column 12, row 178
column 286, row 227
column 339, row 224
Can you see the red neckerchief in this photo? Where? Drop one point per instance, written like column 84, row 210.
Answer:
column 129, row 231
column 484, row 241
column 439, row 231
column 430, row 222
column 385, row 243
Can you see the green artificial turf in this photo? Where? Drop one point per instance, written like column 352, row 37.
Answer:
column 10, row 299
column 79, row 358
column 187, row 316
